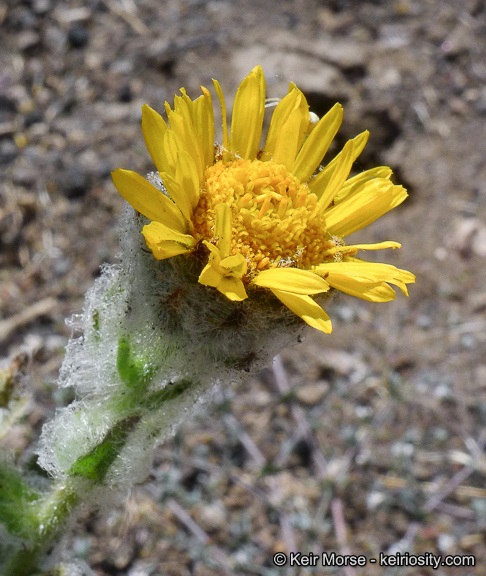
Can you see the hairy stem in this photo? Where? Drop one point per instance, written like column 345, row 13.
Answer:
column 52, row 514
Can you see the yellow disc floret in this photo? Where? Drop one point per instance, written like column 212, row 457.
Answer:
column 276, row 220
column 264, row 217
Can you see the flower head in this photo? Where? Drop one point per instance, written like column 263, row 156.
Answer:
column 263, row 218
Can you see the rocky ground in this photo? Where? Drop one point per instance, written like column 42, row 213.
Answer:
column 368, row 440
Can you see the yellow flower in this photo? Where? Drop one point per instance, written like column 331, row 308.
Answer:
column 265, row 218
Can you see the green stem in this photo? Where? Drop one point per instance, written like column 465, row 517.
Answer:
column 52, row 514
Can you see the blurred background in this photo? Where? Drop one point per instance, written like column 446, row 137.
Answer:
column 370, row 439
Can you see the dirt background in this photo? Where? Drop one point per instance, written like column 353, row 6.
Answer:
column 367, row 440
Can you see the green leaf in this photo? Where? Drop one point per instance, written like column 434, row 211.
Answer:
column 16, row 502
column 170, row 392
column 95, row 464
column 126, row 366
column 134, row 371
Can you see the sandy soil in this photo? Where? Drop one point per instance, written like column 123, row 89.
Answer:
column 379, row 442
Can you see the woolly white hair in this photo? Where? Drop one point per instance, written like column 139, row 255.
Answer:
column 178, row 330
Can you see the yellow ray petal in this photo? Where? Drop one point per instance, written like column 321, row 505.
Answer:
column 291, row 280
column 353, row 248
column 226, row 274
column 317, row 144
column 235, row 265
column 181, row 125
column 373, row 200
column 381, row 293
column 223, row 228
column 186, row 175
column 402, row 286
column 371, row 291
column 309, row 118
column 339, row 175
column 183, row 105
column 203, row 120
column 353, row 184
column 294, row 99
column 400, row 277
column 149, row 201
column 198, row 116
column 210, row 276
column 365, row 280
column 166, row 242
column 214, row 252
column 248, row 112
column 287, row 138
column 153, row 128
column 232, row 288
column 373, row 271
column 307, row 309
column 185, row 102
column 172, row 147
column 188, row 101
column 319, row 183
column 178, row 194
column 226, row 141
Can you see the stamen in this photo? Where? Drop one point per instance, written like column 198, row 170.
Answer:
column 282, row 207
column 273, row 214
column 260, row 182
column 302, row 196
column 265, row 206
column 245, row 200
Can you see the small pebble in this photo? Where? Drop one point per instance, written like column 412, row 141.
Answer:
column 8, row 152
column 74, row 182
column 78, row 36
column 27, row 40
column 374, row 499
column 42, row 7
column 312, row 393
column 468, row 342
column 7, row 106
column 125, row 93
column 424, row 321
column 445, row 543
column 24, row 174
column 33, row 117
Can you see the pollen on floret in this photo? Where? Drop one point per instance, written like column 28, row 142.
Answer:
column 253, row 217
column 275, row 218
